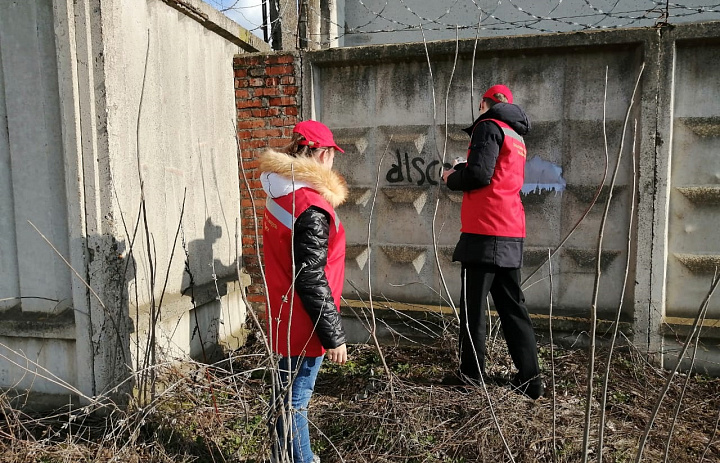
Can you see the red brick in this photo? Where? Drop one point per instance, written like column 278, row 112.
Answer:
column 249, row 153
column 245, row 114
column 251, row 262
column 242, row 104
column 274, row 91
column 249, row 227
column 278, row 142
column 279, row 70
column 287, row 80
column 250, row 240
column 288, row 131
column 265, row 133
column 251, row 123
column 242, row 83
column 249, row 251
column 244, row 192
column 283, row 101
column 251, row 164
column 242, row 72
column 242, row 94
column 279, row 59
column 290, row 90
column 259, row 112
column 283, row 121
column 272, row 81
column 249, row 60
column 257, row 82
column 256, row 289
column 249, row 230
column 257, row 72
column 257, row 298
column 250, row 144
column 249, row 213
column 290, row 111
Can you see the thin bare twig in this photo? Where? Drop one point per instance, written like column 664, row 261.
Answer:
column 373, row 331
column 616, row 326
column 552, row 361
column 598, row 270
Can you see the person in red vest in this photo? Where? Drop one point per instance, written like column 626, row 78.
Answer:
column 490, row 248
column 304, row 248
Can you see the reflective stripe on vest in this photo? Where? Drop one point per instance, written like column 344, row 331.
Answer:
column 513, row 134
column 285, row 217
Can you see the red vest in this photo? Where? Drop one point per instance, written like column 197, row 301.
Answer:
column 496, row 209
column 277, row 241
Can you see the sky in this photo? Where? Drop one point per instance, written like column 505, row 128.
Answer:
column 247, row 13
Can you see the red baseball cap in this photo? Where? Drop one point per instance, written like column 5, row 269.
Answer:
column 498, row 89
column 317, row 135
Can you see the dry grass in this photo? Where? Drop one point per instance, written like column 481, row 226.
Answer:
column 358, row 417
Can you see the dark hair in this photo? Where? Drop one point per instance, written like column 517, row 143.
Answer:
column 490, row 102
column 297, row 150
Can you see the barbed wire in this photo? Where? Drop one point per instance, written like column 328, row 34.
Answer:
column 365, row 17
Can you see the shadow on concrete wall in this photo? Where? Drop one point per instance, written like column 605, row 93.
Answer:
column 205, row 281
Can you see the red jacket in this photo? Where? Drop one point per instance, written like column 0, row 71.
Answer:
column 297, row 328
column 496, row 209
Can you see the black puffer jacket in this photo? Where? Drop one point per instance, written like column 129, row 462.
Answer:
column 486, row 140
column 310, row 241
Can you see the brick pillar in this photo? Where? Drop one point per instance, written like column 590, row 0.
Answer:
column 266, row 96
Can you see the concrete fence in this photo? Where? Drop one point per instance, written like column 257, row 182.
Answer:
column 399, row 119
column 118, row 191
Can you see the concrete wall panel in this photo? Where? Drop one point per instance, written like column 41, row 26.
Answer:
column 38, row 365
column 111, row 104
column 694, row 200
column 10, row 285
column 174, row 137
column 35, row 155
column 404, row 138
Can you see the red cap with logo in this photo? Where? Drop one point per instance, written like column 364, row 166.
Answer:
column 317, row 135
column 499, row 89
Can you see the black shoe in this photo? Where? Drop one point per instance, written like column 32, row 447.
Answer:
column 460, row 380
column 533, row 388
column 453, row 379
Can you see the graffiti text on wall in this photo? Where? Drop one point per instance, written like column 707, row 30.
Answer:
column 414, row 170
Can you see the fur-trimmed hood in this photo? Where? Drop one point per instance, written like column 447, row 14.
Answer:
column 282, row 174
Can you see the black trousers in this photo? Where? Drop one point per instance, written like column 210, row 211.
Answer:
column 504, row 286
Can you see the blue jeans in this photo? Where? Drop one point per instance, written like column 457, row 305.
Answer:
column 303, row 372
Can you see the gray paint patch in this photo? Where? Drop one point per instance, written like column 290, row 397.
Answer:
column 542, row 175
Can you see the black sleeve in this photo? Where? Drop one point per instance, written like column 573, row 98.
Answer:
column 487, row 138
column 310, row 240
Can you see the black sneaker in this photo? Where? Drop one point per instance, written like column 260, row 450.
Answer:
column 533, row 388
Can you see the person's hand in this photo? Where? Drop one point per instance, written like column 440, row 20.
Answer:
column 446, row 174
column 338, row 354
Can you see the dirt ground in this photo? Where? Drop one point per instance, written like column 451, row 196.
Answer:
column 363, row 412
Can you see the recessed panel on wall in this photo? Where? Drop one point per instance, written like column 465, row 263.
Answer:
column 694, row 209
